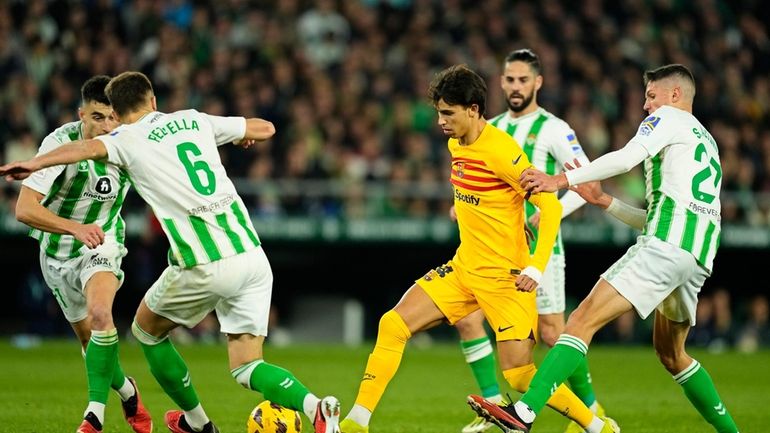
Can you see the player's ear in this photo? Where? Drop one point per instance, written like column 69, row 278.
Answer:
column 676, row 93
column 538, row 82
column 81, row 113
column 154, row 103
column 473, row 109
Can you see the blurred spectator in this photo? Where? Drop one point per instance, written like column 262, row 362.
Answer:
column 345, row 81
column 714, row 322
column 324, row 34
column 755, row 332
column 22, row 147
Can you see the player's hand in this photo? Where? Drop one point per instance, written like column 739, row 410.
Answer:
column 246, row 142
column 591, row 192
column 452, row 214
column 90, row 234
column 525, row 284
column 536, row 181
column 528, row 279
column 18, row 170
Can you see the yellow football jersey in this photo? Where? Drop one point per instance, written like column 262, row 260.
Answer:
column 489, row 203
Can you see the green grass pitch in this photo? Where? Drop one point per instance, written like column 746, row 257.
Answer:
column 43, row 389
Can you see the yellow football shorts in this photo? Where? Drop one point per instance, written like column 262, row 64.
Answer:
column 457, row 293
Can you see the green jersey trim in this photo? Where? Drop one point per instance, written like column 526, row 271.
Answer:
column 235, row 240
column 691, row 224
column 207, row 242
column 184, row 249
column 241, row 217
column 67, row 207
column 704, row 252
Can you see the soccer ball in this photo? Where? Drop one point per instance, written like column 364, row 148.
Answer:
column 269, row 417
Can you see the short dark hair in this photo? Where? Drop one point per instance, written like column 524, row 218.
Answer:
column 527, row 56
column 459, row 85
column 673, row 70
column 93, row 90
column 128, row 92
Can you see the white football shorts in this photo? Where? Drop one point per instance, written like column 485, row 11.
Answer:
column 67, row 278
column 550, row 292
column 238, row 287
column 654, row 274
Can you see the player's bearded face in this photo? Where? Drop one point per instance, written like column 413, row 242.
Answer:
column 97, row 118
column 518, row 100
column 519, row 83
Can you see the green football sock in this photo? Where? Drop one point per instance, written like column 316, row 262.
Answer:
column 171, row 372
column 480, row 357
column 557, row 366
column 276, row 384
column 580, row 383
column 700, row 390
column 101, row 354
column 118, row 376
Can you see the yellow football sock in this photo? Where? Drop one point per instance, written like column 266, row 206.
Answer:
column 384, row 359
column 563, row 400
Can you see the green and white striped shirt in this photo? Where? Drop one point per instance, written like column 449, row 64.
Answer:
column 174, row 164
column 683, row 177
column 548, row 142
column 89, row 192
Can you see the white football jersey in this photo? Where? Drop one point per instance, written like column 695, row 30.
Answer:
column 89, row 192
column 684, row 177
column 174, row 165
column 549, row 143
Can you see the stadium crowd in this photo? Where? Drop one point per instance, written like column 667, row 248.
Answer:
column 345, row 81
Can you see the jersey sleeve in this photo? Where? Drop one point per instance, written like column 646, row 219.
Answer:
column 41, row 181
column 117, row 154
column 226, row 129
column 548, row 203
column 509, row 167
column 565, row 147
column 657, row 130
column 550, row 221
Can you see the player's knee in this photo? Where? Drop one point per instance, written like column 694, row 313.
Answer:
column 470, row 327
column 392, row 328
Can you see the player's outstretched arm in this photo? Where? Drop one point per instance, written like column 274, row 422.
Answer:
column 259, row 129
column 604, row 167
column 256, row 130
column 593, row 193
column 69, row 153
column 30, row 212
